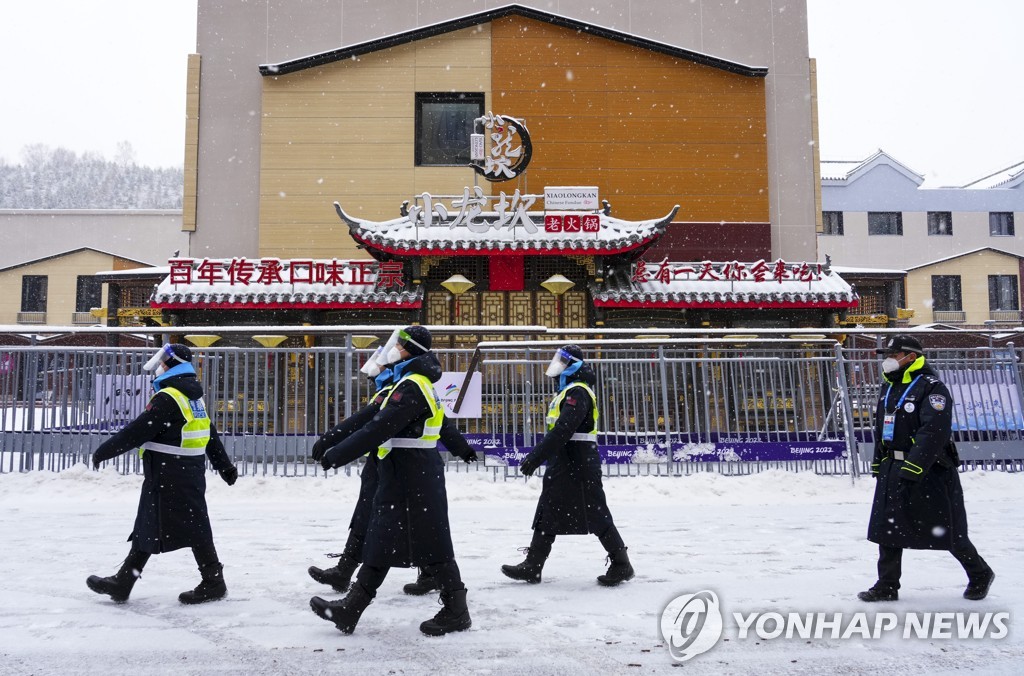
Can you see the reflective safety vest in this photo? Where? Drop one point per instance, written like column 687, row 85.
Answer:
column 386, row 392
column 195, row 433
column 432, row 426
column 556, row 406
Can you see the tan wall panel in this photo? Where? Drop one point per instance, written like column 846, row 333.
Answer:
column 343, row 76
column 322, row 156
column 339, row 104
column 320, row 209
column 467, row 47
column 191, row 166
column 337, row 182
column 349, row 130
column 452, row 79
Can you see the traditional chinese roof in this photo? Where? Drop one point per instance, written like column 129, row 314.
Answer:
column 407, row 236
column 793, row 286
column 356, row 287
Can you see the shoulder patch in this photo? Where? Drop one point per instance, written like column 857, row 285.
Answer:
column 571, row 401
column 396, row 396
column 937, row 401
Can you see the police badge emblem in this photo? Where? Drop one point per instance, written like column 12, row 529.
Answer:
column 937, row 401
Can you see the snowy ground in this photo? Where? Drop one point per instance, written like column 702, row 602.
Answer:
column 774, row 541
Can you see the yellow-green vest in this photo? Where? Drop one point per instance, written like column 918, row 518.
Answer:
column 432, row 426
column 195, row 433
column 556, row 406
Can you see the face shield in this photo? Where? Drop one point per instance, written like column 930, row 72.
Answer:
column 385, row 353
column 561, row 361
column 372, row 366
column 160, row 356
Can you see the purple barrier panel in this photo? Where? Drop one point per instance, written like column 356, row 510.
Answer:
column 768, row 451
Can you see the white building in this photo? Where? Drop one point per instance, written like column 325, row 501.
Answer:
column 961, row 246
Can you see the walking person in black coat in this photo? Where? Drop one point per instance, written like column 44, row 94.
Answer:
column 572, row 499
column 918, row 503
column 176, row 437
column 409, row 524
column 339, row 576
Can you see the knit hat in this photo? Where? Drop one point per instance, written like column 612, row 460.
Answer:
column 415, row 339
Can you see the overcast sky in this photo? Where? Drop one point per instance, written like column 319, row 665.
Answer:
column 936, row 83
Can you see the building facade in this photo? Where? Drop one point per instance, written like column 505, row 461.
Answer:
column 960, row 246
column 617, row 179
column 700, row 104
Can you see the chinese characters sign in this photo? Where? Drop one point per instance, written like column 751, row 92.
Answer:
column 511, row 148
column 732, row 271
column 241, row 271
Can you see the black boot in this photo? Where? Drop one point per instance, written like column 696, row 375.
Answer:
column 879, row 592
column 344, row 613
column 119, row 585
column 424, row 584
column 338, row 576
column 210, row 589
column 536, row 554
column 454, row 616
column 619, row 571
column 977, row 587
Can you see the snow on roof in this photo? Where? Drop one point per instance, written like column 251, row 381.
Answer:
column 159, row 270
column 837, row 170
column 687, row 290
column 965, row 253
column 843, row 171
column 341, row 294
column 1009, row 177
column 405, row 236
column 846, row 270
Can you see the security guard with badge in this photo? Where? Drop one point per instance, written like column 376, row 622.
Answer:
column 409, row 522
column 175, row 436
column 919, row 502
column 572, row 500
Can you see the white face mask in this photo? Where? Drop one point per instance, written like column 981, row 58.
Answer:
column 372, row 367
column 161, row 369
column 394, row 355
column 890, row 365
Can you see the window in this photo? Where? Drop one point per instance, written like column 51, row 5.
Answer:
column 885, row 223
column 89, row 293
column 832, row 222
column 1002, row 293
column 940, row 223
column 946, row 293
column 33, row 293
column 1000, row 224
column 444, row 122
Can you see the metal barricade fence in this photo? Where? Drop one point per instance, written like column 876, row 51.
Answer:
column 668, row 407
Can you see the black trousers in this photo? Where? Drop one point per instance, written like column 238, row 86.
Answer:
column 447, row 574
column 890, row 563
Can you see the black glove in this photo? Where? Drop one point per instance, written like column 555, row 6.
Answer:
column 319, row 448
column 325, row 462
column 230, row 475
column 469, row 457
column 529, row 465
column 95, row 461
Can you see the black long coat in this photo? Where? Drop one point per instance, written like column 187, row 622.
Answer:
column 572, row 499
column 409, row 521
column 172, row 509
column 450, row 437
column 918, row 502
